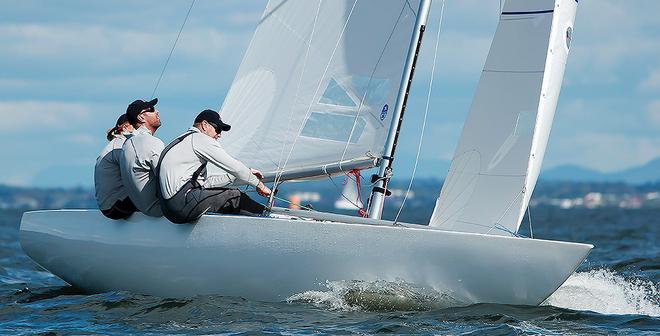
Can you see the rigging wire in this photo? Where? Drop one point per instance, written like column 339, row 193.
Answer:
column 318, row 87
column 278, row 175
column 366, row 91
column 426, row 111
column 192, row 3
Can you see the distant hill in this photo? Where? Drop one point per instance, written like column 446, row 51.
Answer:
column 649, row 172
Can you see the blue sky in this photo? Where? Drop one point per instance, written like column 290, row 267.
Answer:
column 69, row 68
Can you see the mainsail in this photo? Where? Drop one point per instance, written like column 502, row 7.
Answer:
column 499, row 154
column 315, row 88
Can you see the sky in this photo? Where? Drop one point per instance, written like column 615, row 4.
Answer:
column 69, row 68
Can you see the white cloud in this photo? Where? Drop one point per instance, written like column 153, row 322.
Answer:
column 13, row 83
column 19, row 178
column 652, row 82
column 611, row 36
column 111, row 46
column 244, row 17
column 18, row 116
column 601, row 151
column 84, row 139
column 653, row 112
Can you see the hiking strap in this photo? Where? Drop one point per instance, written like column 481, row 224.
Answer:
column 196, row 174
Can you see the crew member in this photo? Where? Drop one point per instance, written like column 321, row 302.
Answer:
column 140, row 157
column 188, row 192
column 111, row 195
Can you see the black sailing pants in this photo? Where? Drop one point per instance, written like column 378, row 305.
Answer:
column 191, row 202
column 121, row 209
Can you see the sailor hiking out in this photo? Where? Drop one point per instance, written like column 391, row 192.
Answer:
column 140, row 157
column 111, row 195
column 187, row 191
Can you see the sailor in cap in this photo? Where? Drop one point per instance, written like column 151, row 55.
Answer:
column 140, row 157
column 187, row 190
column 111, row 195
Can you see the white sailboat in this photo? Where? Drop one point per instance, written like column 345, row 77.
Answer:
column 321, row 91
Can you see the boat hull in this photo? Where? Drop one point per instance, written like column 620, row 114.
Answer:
column 271, row 259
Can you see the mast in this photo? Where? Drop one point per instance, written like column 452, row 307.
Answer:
column 382, row 179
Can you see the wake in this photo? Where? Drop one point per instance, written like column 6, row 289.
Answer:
column 602, row 291
column 606, row 292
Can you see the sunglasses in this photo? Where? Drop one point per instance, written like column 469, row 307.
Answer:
column 150, row 109
column 217, row 129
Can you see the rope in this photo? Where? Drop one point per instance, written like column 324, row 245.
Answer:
column 426, row 111
column 362, row 212
column 172, row 50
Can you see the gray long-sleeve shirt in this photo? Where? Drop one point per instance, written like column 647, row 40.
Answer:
column 107, row 177
column 185, row 158
column 138, row 166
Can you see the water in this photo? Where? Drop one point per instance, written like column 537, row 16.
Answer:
column 617, row 291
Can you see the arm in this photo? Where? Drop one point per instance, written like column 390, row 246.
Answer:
column 211, row 150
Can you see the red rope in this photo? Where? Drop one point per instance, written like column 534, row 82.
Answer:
column 356, row 172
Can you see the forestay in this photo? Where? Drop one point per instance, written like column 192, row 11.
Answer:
column 317, row 84
column 499, row 154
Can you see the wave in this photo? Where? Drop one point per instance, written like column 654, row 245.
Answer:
column 376, row 296
column 606, row 292
column 601, row 291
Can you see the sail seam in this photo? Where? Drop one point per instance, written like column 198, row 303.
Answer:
column 529, row 12
column 515, row 71
column 520, row 196
column 502, row 175
column 453, row 185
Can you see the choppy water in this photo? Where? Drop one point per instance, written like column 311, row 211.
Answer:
column 617, row 291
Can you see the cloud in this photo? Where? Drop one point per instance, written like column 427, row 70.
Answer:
column 84, row 139
column 602, row 151
column 99, row 46
column 18, row 116
column 611, row 37
column 652, row 82
column 13, row 83
column 653, row 112
column 244, row 17
column 19, row 178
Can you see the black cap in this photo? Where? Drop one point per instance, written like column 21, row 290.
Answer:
column 110, row 134
column 213, row 118
column 121, row 120
column 136, row 107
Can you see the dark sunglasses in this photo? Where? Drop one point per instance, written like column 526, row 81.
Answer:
column 217, row 129
column 150, row 109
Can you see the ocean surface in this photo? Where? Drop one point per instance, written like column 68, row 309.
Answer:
column 616, row 291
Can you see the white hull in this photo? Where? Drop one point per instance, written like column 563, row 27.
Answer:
column 272, row 258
